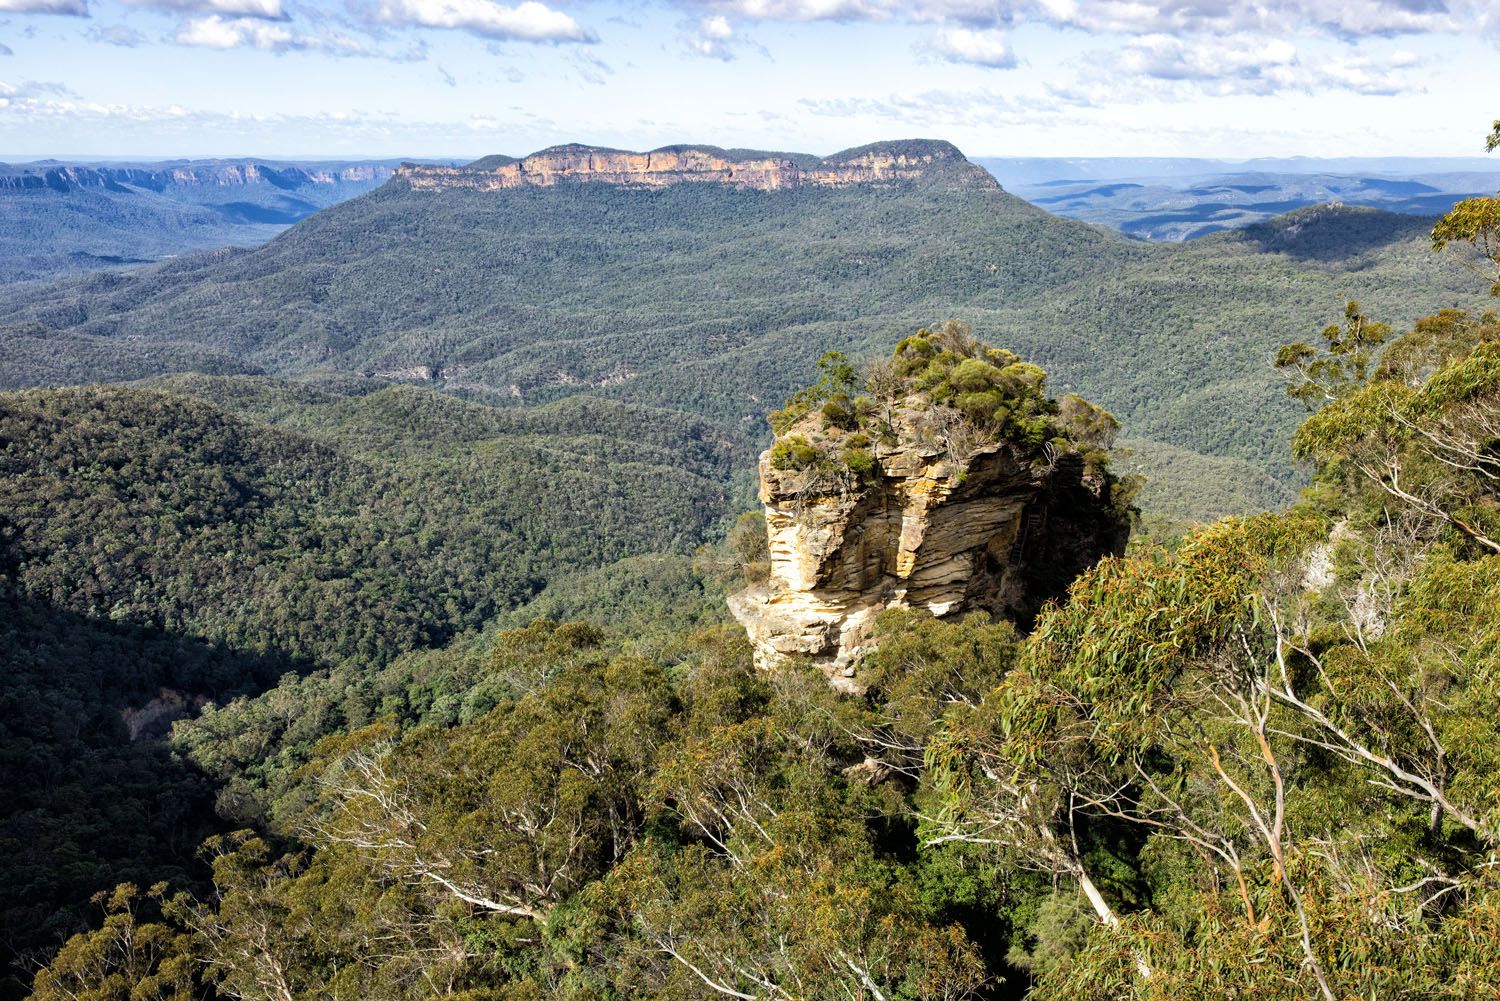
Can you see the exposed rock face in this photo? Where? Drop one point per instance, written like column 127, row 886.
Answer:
column 154, row 720
column 883, row 164
column 983, row 529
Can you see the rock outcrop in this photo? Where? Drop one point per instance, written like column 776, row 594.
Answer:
column 881, row 164
column 936, row 525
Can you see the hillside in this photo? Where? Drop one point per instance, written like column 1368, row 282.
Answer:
column 707, row 298
column 299, row 595
column 158, row 551
column 1258, row 763
column 57, row 218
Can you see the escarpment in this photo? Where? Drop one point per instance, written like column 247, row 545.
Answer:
column 206, row 174
column 924, row 162
column 952, row 484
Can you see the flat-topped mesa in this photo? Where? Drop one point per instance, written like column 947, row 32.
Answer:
column 951, row 492
column 910, row 162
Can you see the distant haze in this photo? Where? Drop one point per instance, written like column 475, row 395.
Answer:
column 1021, row 171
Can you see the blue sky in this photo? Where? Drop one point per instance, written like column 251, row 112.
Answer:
column 1215, row 78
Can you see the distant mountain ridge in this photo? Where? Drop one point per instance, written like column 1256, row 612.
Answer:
column 121, row 178
column 714, row 299
column 1187, row 199
column 58, row 217
column 912, row 161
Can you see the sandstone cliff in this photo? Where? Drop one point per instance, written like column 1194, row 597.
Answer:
column 949, row 516
column 881, row 164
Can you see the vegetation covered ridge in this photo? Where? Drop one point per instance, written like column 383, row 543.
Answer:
column 1255, row 765
column 716, row 302
column 1258, row 762
column 169, row 547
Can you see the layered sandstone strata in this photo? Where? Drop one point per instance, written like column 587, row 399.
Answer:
column 882, row 164
column 936, row 526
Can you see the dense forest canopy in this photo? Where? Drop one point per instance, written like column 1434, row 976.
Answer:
column 330, row 688
column 715, row 302
column 1258, row 764
column 159, row 550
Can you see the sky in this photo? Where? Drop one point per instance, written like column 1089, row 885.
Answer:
column 464, row 78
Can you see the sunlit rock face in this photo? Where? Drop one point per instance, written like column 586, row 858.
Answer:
column 882, row 164
column 935, row 526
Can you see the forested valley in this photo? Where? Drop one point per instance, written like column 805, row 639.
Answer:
column 327, row 686
column 715, row 302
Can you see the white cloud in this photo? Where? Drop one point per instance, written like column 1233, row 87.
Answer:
column 1168, row 57
column 530, row 21
column 1245, row 64
column 117, row 34
column 808, row 10
column 591, row 68
column 31, row 95
column 73, row 8
column 268, row 9
column 217, row 32
column 713, row 37
column 53, row 106
column 944, row 108
column 979, row 46
column 1283, row 18
column 1280, row 17
column 1365, row 76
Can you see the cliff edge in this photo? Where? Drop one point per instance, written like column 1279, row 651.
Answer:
column 948, row 481
column 915, row 161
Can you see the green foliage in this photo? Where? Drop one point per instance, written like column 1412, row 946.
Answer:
column 836, row 380
column 150, row 508
column 1181, row 488
column 564, row 839
column 1265, row 758
column 972, row 375
column 965, row 391
column 860, row 461
column 1433, row 341
column 839, row 412
column 1315, row 377
column 991, row 388
column 1476, row 222
column 130, row 958
column 742, row 558
column 1259, row 764
column 1055, row 936
column 158, row 552
column 93, row 797
column 471, row 288
column 951, row 365
column 793, row 452
column 655, row 594
column 1428, row 446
